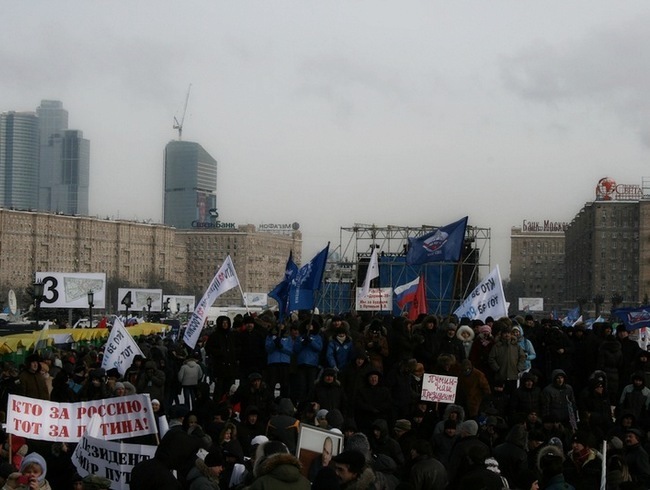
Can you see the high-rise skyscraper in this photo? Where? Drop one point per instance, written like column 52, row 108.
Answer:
column 52, row 119
column 19, row 160
column 65, row 173
column 64, row 162
column 190, row 185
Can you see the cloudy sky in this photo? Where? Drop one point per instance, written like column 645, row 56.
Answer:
column 341, row 112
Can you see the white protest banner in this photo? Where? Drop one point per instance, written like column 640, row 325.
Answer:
column 377, row 299
column 120, row 348
column 124, row 416
column 486, row 300
column 112, row 460
column 439, row 388
column 224, row 280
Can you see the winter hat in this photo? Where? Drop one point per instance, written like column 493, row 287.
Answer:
column 616, row 443
column 359, row 442
column 96, row 482
column 257, row 440
column 485, row 329
column 402, row 425
column 469, row 427
column 585, row 438
column 213, row 458
column 549, row 453
column 335, row 418
column 353, row 458
column 322, row 413
column 39, row 460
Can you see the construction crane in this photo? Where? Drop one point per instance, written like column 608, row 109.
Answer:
column 179, row 125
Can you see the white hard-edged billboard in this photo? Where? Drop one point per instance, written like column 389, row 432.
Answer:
column 70, row 289
column 179, row 304
column 378, row 299
column 531, row 304
column 138, row 299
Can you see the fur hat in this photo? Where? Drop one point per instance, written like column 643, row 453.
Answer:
column 549, row 452
column 465, row 328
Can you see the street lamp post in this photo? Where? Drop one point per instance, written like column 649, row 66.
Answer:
column 38, row 297
column 91, row 299
column 149, row 301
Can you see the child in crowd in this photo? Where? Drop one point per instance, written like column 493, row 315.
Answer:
column 31, row 475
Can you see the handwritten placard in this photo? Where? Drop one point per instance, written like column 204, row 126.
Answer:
column 439, row 388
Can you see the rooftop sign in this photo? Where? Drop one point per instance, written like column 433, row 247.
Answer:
column 545, row 226
column 608, row 190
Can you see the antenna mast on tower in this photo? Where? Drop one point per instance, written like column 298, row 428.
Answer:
column 179, row 125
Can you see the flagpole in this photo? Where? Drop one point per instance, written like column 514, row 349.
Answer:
column 243, row 297
column 248, row 312
column 453, row 292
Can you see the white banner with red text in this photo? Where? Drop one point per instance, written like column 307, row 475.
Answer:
column 121, row 417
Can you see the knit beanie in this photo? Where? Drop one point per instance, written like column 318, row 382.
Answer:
column 39, row 460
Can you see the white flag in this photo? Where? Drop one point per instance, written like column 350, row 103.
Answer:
column 120, row 348
column 224, row 280
column 371, row 273
column 487, row 299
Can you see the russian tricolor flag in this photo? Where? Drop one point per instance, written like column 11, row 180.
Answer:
column 405, row 293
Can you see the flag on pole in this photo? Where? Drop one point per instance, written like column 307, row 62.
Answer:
column 571, row 317
column 487, row 299
column 42, row 341
column 442, row 245
column 371, row 273
column 307, row 281
column 224, row 280
column 419, row 304
column 280, row 292
column 120, row 348
column 633, row 318
column 405, row 293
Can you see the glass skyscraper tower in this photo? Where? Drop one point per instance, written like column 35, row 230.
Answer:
column 64, row 162
column 190, row 179
column 43, row 165
column 19, row 160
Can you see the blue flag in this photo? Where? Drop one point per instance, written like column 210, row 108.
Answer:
column 442, row 245
column 307, row 281
column 280, row 292
column 571, row 317
column 633, row 318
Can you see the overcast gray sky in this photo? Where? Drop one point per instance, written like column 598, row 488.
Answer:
column 341, row 112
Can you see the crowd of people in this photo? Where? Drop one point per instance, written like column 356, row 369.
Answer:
column 537, row 405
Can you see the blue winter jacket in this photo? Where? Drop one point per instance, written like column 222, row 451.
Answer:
column 308, row 349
